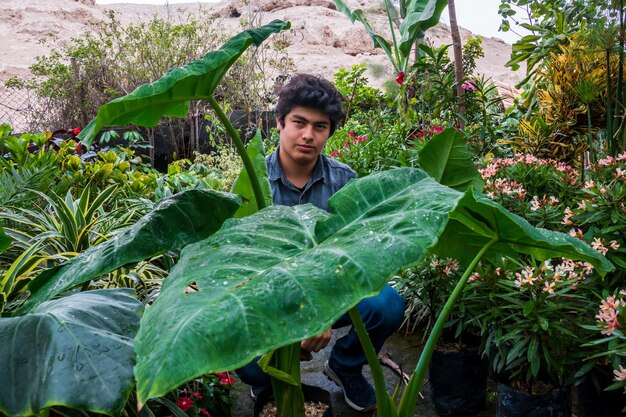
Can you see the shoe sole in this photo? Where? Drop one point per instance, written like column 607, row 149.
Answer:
column 334, row 378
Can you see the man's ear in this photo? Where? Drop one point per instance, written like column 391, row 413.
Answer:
column 279, row 125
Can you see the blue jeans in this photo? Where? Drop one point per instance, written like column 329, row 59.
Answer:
column 382, row 315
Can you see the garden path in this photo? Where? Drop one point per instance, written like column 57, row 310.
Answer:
column 404, row 351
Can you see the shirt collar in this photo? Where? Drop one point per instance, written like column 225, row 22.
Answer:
column 275, row 170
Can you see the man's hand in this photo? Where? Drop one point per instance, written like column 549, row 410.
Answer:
column 314, row 344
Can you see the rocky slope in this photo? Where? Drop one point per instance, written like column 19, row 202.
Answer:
column 321, row 40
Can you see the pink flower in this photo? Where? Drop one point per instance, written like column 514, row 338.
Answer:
column 468, row 85
column 205, row 412
column 400, row 78
column 437, row 129
column 75, row 131
column 184, row 403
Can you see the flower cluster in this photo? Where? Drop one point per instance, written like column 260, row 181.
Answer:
column 549, row 276
column 609, row 311
column 353, row 139
column 468, row 85
column 206, row 396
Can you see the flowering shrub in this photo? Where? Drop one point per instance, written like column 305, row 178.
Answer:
column 208, row 396
column 610, row 324
column 530, row 314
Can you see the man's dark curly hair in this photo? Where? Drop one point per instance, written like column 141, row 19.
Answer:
column 310, row 91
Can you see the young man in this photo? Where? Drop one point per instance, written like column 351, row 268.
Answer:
column 309, row 110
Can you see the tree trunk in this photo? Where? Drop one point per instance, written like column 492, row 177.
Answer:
column 457, row 49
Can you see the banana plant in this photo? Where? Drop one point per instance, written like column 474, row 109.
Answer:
column 417, row 17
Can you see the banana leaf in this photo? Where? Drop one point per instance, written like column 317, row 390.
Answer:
column 446, row 158
column 75, row 352
column 421, row 16
column 170, row 95
column 184, row 218
column 288, row 273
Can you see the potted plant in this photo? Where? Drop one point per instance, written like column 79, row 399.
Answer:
column 457, row 374
column 532, row 333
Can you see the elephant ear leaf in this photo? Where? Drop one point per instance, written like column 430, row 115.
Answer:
column 170, row 95
column 446, row 158
column 285, row 274
column 477, row 219
column 184, row 218
column 75, row 352
column 242, row 185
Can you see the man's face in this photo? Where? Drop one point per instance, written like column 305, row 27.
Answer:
column 303, row 135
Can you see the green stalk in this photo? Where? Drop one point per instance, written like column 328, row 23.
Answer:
column 411, row 392
column 393, row 37
column 382, row 397
column 241, row 149
column 289, row 398
column 592, row 158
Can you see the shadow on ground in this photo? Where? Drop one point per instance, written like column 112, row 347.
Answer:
column 404, row 350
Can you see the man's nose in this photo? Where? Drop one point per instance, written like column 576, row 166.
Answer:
column 307, row 132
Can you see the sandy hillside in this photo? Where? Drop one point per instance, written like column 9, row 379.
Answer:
column 321, row 39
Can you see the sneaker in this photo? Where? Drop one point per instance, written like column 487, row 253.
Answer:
column 357, row 392
column 255, row 391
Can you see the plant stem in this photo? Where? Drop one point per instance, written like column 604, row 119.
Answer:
column 409, row 397
column 383, row 406
column 289, row 398
column 592, row 158
column 241, row 149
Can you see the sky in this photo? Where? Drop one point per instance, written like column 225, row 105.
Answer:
column 478, row 16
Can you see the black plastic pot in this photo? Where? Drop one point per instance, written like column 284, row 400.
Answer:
column 513, row 403
column 594, row 401
column 311, row 394
column 458, row 383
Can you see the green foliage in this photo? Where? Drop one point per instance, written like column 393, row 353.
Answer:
column 353, row 85
column 417, row 17
column 94, row 69
column 75, row 352
column 196, row 80
column 173, row 223
column 472, row 50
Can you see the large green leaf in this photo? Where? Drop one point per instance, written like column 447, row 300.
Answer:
column 243, row 186
column 184, row 218
column 447, row 159
column 377, row 40
column 285, row 274
column 76, row 352
column 170, row 95
column 478, row 219
column 5, row 241
column 421, row 15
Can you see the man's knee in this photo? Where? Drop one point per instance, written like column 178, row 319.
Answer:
column 383, row 310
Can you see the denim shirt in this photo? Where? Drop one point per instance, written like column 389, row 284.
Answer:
column 328, row 177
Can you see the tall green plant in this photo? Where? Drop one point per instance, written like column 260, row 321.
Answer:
column 417, row 17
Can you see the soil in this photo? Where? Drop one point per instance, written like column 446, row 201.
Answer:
column 310, row 409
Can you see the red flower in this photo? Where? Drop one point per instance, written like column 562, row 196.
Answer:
column 437, row 129
column 184, row 403
column 197, row 395
column 75, row 131
column 205, row 412
column 225, row 378
column 79, row 148
column 400, row 78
